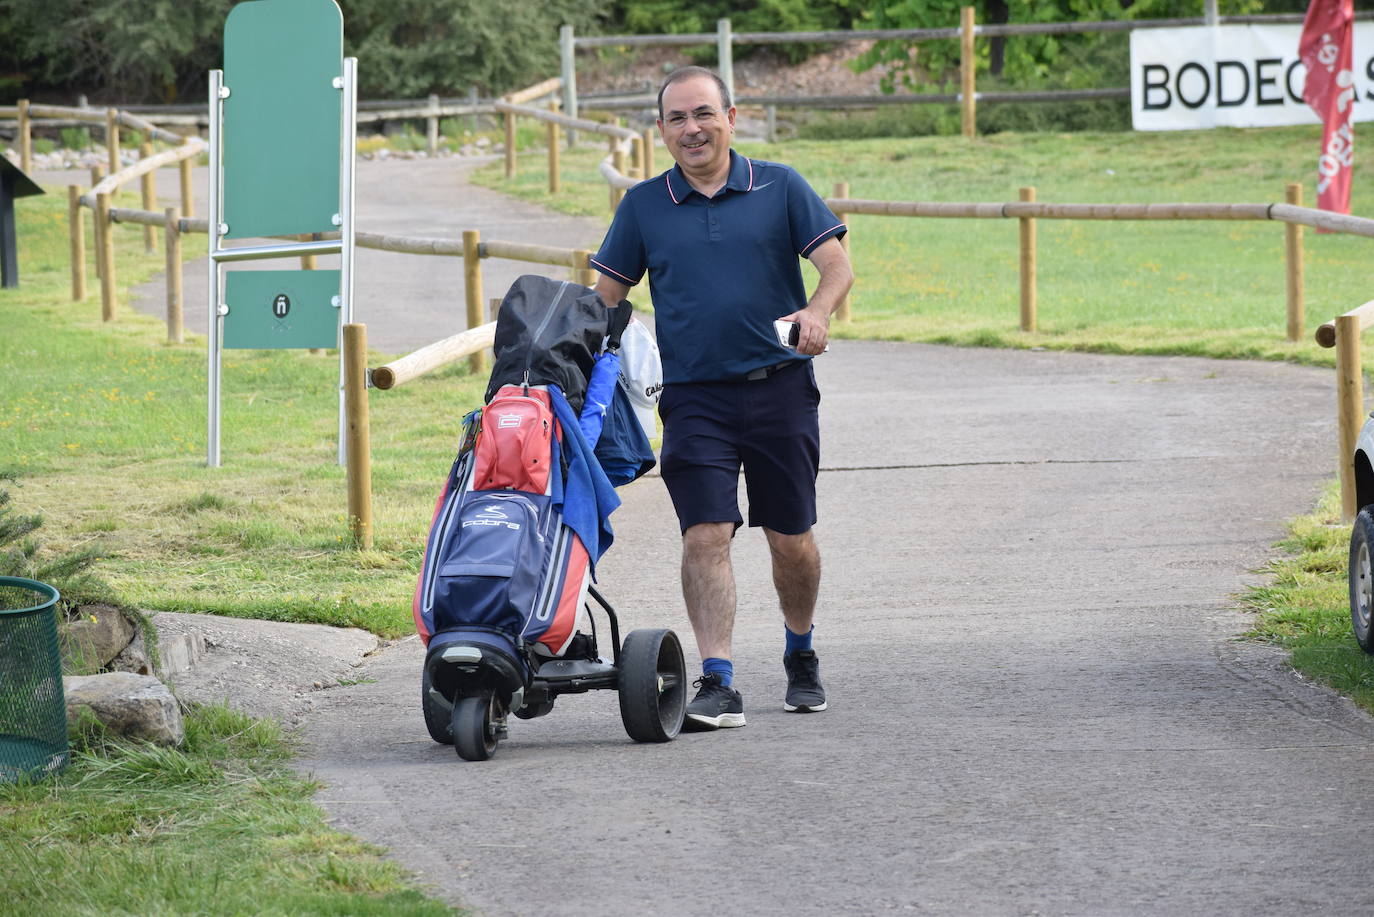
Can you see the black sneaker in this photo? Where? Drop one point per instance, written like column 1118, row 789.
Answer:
column 715, row 706
column 804, row 691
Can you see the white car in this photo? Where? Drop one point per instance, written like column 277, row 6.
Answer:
column 1361, row 538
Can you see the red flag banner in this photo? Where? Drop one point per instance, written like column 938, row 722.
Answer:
column 1325, row 50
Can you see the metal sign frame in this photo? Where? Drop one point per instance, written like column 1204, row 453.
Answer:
column 219, row 255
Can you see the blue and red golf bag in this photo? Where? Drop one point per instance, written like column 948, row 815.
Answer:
column 524, row 513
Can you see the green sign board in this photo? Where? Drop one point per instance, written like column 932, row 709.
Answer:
column 282, row 117
column 275, row 310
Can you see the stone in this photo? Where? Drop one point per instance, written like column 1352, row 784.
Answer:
column 177, row 652
column 133, row 658
column 137, row 706
column 97, row 636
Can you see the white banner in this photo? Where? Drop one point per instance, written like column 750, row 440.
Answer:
column 1231, row 76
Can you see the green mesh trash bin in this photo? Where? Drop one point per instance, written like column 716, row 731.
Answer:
column 33, row 710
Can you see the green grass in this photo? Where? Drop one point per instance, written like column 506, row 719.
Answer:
column 218, row 826
column 1197, row 288
column 1304, row 607
column 107, row 436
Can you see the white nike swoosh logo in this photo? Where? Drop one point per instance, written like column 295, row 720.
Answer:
column 762, row 186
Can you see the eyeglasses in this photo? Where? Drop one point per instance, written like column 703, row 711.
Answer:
column 705, row 117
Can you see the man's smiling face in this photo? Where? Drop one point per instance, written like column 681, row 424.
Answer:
column 696, row 128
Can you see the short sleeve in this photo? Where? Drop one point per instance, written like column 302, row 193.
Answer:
column 810, row 220
column 622, row 254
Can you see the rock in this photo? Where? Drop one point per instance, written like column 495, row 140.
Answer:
column 133, row 658
column 96, row 637
column 178, row 652
column 138, row 706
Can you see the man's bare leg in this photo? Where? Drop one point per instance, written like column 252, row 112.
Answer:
column 708, row 586
column 796, row 576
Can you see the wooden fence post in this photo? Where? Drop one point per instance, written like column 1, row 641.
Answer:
column 567, row 68
column 432, row 126
column 842, row 313
column 648, row 151
column 97, row 176
column 617, row 163
column 176, row 333
column 554, row 177
column 968, row 113
column 25, row 137
column 510, row 144
column 77, row 230
column 1349, row 406
column 105, row 256
column 359, row 441
column 1292, row 250
column 1028, row 317
column 725, row 53
column 472, row 290
column 112, row 139
column 148, row 187
column 582, row 268
column 188, row 196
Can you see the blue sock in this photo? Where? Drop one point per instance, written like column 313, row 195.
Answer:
column 722, row 667
column 796, row 642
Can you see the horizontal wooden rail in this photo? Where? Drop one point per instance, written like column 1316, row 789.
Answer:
column 538, row 90
column 433, row 356
column 1326, row 333
column 110, row 183
column 581, row 124
column 523, row 251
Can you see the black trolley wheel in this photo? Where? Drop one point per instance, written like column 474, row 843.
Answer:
column 474, row 726
column 438, row 721
column 653, row 685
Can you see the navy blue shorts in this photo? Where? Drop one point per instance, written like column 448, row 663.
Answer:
column 769, row 426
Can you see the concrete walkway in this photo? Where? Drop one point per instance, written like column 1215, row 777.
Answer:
column 1028, row 634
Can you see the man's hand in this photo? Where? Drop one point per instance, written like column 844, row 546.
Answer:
column 813, row 322
column 813, row 329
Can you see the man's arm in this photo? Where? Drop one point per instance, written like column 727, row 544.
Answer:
column 837, row 277
column 612, row 291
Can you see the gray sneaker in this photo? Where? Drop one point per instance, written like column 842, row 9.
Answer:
column 804, row 691
column 715, row 706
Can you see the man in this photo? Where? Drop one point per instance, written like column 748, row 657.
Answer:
column 720, row 236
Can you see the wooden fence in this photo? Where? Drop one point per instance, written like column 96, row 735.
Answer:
column 967, row 31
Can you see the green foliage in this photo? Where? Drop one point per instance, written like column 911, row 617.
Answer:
column 415, row 47
column 1029, row 61
column 674, row 18
column 135, row 50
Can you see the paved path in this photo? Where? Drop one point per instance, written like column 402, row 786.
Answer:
column 1038, row 704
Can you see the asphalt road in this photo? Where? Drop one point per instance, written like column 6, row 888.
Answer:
column 1028, row 631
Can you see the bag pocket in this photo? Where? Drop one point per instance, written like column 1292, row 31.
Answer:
column 490, row 569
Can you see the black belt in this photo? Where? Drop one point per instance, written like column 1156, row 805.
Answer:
column 763, row 372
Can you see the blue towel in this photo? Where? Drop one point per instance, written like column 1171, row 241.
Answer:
column 600, row 389
column 588, row 499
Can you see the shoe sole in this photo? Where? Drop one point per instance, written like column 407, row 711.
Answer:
column 697, row 723
column 804, row 708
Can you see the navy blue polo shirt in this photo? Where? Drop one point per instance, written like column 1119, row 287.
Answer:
column 721, row 270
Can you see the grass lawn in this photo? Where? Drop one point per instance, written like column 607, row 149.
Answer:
column 103, row 427
column 219, row 826
column 1204, row 288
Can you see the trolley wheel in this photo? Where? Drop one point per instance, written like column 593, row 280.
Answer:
column 1361, row 576
column 438, row 721
column 475, row 726
column 653, row 685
